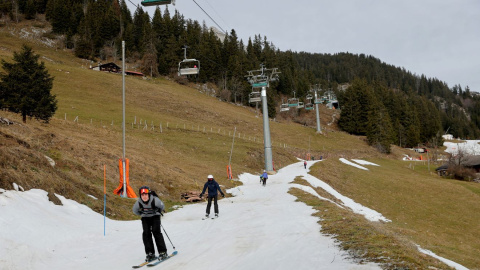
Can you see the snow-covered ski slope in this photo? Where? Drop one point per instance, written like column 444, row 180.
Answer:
column 259, row 228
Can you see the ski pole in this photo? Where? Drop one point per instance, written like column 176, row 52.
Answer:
column 167, row 236
column 228, row 199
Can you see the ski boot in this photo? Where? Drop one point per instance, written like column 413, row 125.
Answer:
column 206, row 215
column 150, row 257
column 162, row 256
column 216, row 215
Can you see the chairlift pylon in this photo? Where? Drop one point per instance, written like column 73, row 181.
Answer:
column 188, row 66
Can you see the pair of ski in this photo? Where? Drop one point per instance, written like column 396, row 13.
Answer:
column 155, row 262
column 214, row 217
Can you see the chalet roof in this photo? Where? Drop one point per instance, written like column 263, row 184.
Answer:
column 128, row 72
column 111, row 64
column 467, row 161
column 471, row 161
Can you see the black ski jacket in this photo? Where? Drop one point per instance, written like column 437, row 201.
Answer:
column 213, row 188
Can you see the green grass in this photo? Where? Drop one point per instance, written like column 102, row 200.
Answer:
column 438, row 214
column 367, row 241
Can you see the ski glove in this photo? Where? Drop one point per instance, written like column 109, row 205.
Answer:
column 223, row 195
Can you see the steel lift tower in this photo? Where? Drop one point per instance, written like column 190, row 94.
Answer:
column 261, row 78
column 317, row 101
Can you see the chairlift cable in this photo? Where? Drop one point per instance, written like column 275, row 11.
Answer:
column 137, row 5
column 217, row 13
column 151, row 19
column 209, row 16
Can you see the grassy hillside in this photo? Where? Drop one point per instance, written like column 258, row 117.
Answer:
column 177, row 135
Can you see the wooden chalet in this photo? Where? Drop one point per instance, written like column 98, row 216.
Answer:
column 472, row 162
column 112, row 67
column 108, row 67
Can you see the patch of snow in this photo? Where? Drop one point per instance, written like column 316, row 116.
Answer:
column 17, row 187
column 352, row 164
column 368, row 213
column 50, row 160
column 469, row 147
column 446, row 261
column 364, row 162
column 314, row 193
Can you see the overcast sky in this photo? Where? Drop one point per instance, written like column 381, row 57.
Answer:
column 438, row 38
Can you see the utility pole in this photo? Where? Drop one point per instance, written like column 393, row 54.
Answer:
column 261, row 79
column 123, row 123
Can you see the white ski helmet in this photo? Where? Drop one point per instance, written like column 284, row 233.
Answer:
column 210, row 176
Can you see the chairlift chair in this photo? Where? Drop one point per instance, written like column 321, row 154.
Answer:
column 309, row 106
column 188, row 66
column 147, row 3
column 300, row 105
column 254, row 97
column 292, row 102
column 185, row 67
column 284, row 107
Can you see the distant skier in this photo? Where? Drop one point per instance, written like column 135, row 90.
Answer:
column 264, row 177
column 150, row 207
column 305, row 164
column 213, row 188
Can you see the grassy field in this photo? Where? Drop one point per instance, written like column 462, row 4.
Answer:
column 176, row 135
column 438, row 214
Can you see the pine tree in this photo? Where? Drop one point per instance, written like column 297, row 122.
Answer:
column 379, row 127
column 25, row 86
column 356, row 103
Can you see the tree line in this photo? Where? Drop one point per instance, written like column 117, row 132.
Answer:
column 388, row 104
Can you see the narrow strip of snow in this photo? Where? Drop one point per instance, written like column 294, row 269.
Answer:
column 364, row 162
column 445, row 261
column 352, row 164
column 368, row 213
column 314, row 193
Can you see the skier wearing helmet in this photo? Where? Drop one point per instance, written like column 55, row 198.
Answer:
column 213, row 187
column 150, row 207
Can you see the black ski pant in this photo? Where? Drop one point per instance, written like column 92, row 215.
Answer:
column 151, row 225
column 264, row 181
column 215, row 204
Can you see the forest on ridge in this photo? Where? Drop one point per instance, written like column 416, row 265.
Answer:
column 388, row 104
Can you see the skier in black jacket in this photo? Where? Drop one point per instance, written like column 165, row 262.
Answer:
column 150, row 207
column 213, row 187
